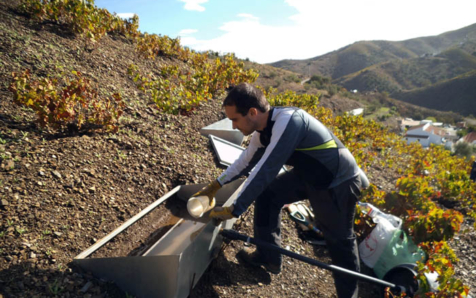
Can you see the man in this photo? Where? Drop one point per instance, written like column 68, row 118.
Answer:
column 324, row 171
column 472, row 175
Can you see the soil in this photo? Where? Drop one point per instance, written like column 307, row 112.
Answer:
column 61, row 192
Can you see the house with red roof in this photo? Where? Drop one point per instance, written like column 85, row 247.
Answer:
column 470, row 138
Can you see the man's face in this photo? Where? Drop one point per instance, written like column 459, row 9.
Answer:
column 245, row 124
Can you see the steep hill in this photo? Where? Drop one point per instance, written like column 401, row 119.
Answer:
column 396, row 67
column 348, row 59
column 407, row 74
column 362, row 54
column 457, row 95
column 62, row 190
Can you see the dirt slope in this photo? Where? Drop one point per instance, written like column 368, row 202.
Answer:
column 60, row 193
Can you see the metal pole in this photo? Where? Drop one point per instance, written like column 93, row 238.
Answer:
column 234, row 235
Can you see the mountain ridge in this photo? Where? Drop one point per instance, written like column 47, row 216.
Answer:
column 398, row 67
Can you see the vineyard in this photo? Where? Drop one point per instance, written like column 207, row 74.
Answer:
column 81, row 140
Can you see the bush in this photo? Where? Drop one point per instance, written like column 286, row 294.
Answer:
column 82, row 17
column 463, row 149
column 333, row 89
column 292, row 78
column 68, row 107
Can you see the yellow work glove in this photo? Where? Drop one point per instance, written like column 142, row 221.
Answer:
column 222, row 213
column 210, row 190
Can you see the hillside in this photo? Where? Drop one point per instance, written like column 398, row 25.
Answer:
column 399, row 67
column 63, row 189
column 398, row 75
column 348, row 59
column 457, row 94
column 362, row 54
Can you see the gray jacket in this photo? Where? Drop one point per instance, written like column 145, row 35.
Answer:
column 295, row 138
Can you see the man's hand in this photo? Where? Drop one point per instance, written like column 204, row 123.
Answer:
column 210, row 190
column 222, row 213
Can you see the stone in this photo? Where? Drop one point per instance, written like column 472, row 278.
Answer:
column 86, row 287
column 91, row 173
column 8, row 165
column 3, row 203
column 56, row 174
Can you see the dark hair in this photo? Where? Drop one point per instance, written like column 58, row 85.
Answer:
column 244, row 97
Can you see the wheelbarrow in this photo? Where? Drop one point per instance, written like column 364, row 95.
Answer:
column 409, row 286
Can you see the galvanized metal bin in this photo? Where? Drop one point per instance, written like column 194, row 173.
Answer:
column 173, row 265
column 224, row 130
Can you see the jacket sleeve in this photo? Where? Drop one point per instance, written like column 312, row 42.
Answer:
column 245, row 163
column 288, row 131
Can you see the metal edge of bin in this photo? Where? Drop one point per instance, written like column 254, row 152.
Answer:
column 164, row 275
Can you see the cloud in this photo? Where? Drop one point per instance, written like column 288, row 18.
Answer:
column 352, row 21
column 126, row 15
column 194, row 4
column 248, row 16
column 247, row 37
column 319, row 27
column 186, row 32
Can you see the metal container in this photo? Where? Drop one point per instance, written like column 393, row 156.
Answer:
column 173, row 265
column 224, row 130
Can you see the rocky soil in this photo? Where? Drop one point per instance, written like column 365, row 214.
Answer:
column 61, row 192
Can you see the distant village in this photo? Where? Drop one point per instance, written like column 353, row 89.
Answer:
column 427, row 132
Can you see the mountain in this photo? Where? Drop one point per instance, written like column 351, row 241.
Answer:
column 400, row 68
column 406, row 74
column 362, row 54
column 442, row 96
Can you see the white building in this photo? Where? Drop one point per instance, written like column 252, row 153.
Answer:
column 426, row 134
column 407, row 123
column 356, row 112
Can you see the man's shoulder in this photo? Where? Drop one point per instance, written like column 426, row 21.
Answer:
column 283, row 111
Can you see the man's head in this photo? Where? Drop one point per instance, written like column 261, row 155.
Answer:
column 247, row 107
column 244, row 96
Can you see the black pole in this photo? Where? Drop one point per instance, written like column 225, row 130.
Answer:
column 234, row 235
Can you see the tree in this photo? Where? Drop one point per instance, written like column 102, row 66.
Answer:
column 462, row 132
column 463, row 149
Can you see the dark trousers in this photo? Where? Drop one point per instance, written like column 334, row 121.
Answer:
column 334, row 212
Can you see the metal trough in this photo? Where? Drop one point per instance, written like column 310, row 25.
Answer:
column 173, row 265
column 223, row 129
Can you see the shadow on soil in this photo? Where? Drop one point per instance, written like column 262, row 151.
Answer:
column 366, row 289
column 223, row 272
column 25, row 280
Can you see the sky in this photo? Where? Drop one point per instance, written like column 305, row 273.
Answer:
column 267, row 31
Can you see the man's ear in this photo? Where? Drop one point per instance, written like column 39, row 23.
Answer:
column 253, row 112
